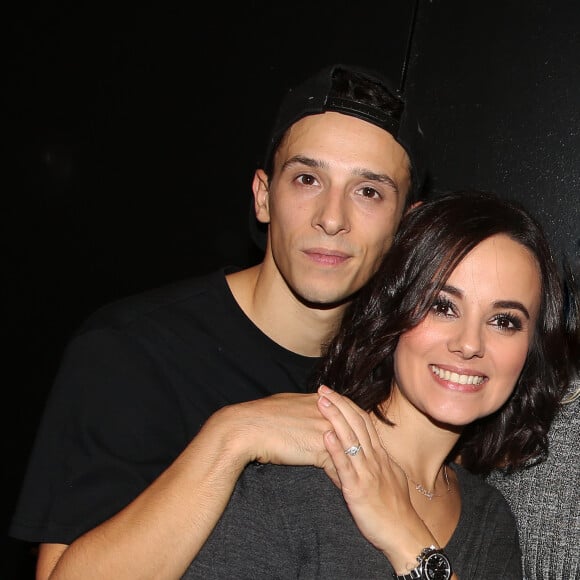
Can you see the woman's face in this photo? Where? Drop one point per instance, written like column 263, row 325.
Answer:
column 463, row 360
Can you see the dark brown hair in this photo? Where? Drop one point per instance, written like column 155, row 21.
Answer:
column 432, row 240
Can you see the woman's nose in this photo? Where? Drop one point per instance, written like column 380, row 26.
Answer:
column 467, row 340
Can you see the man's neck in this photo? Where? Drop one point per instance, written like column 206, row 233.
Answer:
column 272, row 307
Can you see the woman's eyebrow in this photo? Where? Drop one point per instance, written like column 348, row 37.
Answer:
column 513, row 304
column 510, row 304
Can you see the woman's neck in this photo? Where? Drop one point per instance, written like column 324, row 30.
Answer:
column 417, row 445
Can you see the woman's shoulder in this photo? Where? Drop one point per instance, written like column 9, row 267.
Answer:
column 475, row 489
column 287, row 484
column 483, row 509
column 283, row 476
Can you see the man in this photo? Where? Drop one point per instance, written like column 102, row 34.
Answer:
column 128, row 475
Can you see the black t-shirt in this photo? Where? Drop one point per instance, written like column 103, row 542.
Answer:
column 135, row 385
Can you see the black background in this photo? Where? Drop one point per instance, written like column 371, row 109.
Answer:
column 132, row 137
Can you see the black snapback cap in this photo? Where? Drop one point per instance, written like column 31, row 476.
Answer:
column 317, row 95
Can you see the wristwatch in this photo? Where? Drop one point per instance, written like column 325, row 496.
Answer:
column 433, row 565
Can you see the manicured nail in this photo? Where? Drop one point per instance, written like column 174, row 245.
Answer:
column 324, row 402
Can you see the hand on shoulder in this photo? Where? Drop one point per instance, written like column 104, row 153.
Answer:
column 285, row 429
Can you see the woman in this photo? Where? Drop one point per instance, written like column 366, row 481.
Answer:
column 457, row 346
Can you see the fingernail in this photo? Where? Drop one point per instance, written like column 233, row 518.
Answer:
column 324, row 389
column 324, row 402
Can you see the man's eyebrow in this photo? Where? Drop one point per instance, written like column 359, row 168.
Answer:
column 380, row 177
column 366, row 173
column 508, row 304
column 301, row 160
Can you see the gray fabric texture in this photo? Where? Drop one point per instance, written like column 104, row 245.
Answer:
column 292, row 522
column 545, row 499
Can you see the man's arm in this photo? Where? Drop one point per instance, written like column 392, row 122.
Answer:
column 161, row 531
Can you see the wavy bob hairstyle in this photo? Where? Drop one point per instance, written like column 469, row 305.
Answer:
column 433, row 238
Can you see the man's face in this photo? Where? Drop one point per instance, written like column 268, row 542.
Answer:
column 335, row 200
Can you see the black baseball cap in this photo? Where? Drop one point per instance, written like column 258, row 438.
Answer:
column 315, row 96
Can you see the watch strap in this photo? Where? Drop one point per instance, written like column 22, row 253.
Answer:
column 414, row 574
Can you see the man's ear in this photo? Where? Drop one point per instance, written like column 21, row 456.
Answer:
column 260, row 187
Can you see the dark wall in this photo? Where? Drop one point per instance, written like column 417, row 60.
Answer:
column 134, row 135
column 133, row 139
column 498, row 91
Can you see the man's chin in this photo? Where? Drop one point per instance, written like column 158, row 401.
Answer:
column 322, row 299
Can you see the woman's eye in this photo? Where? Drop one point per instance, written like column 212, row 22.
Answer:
column 507, row 322
column 443, row 307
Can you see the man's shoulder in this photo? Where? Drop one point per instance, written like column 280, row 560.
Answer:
column 186, row 297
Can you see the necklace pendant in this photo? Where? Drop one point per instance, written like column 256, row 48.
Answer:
column 428, row 494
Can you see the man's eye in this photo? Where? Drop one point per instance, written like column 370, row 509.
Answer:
column 370, row 192
column 306, row 179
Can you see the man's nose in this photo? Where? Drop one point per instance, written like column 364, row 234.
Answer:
column 331, row 214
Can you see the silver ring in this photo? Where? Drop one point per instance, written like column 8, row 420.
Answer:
column 352, row 451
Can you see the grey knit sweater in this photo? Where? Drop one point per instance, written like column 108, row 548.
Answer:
column 546, row 502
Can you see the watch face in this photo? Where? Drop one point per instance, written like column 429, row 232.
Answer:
column 436, row 566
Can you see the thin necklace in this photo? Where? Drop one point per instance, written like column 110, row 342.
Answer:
column 428, row 493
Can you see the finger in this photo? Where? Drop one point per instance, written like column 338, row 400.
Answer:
column 345, row 466
column 351, row 437
column 346, row 404
column 353, row 413
column 351, row 424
